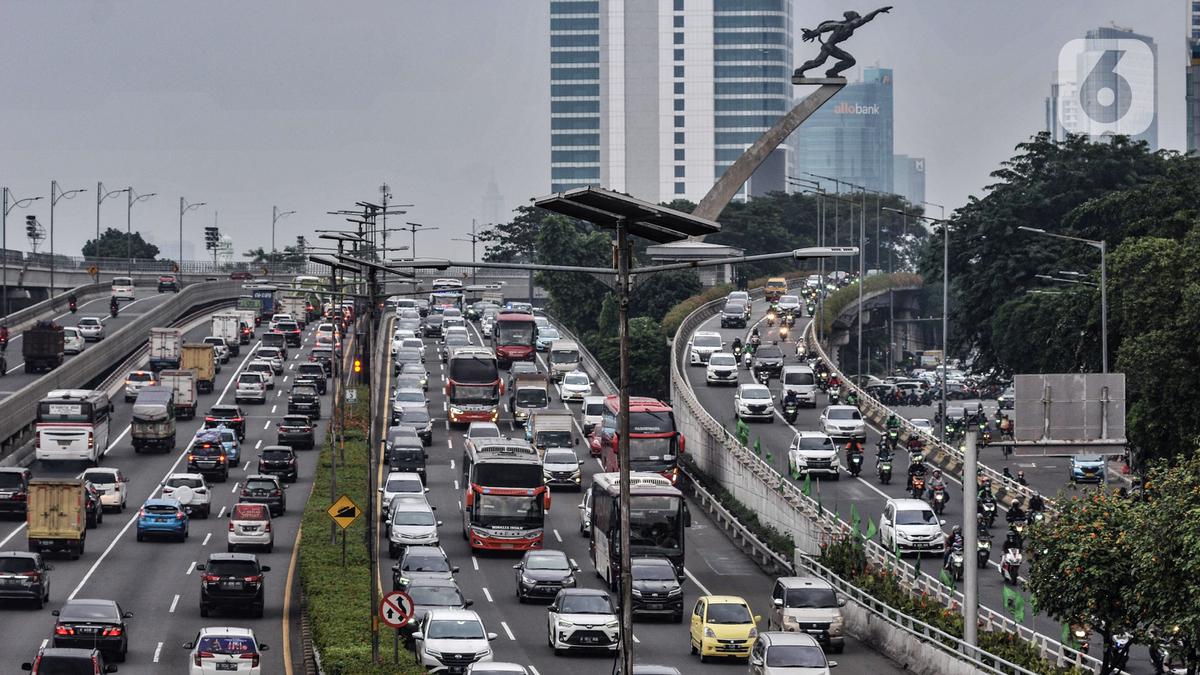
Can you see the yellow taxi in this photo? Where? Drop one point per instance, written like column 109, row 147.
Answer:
column 722, row 625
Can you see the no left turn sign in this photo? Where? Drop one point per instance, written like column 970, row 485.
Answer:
column 396, row 609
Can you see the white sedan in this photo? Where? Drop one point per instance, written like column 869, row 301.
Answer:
column 92, row 328
column 575, row 385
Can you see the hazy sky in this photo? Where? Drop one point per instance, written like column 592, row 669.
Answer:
column 311, row 105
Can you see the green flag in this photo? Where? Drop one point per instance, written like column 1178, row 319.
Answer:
column 1033, row 603
column 770, row 458
column 1067, row 638
column 855, row 519
column 917, row 567
column 758, row 446
column 1014, row 602
column 743, row 432
column 871, row 532
column 782, row 487
column 947, row 580
column 795, row 472
column 806, row 489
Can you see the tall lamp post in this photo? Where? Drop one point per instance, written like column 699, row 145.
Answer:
column 8, row 204
column 133, row 198
column 276, row 216
column 1103, row 246
column 101, row 195
column 184, row 207
column 414, row 228
column 56, row 193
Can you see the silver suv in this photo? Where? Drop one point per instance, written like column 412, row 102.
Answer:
column 808, row 605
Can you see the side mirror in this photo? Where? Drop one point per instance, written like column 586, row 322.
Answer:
column 687, row 516
column 427, row 490
column 574, row 567
column 127, row 615
column 468, row 603
column 439, row 523
column 517, row 566
column 778, row 602
column 491, row 636
column 941, row 521
column 755, row 661
column 263, row 647
column 841, row 602
column 833, row 664
column 581, row 506
column 110, row 668
column 418, row 635
column 27, row 666
column 54, row 612
column 265, row 568
column 580, row 461
column 380, row 490
column 757, row 618
column 454, row 569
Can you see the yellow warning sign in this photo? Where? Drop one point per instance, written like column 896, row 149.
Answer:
column 344, row 512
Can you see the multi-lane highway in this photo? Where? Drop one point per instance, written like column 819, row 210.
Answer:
column 156, row 580
column 866, row 493
column 713, row 566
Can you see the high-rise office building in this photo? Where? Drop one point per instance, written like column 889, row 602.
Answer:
column 851, row 137
column 1193, row 78
column 1106, row 85
column 658, row 97
column 908, row 178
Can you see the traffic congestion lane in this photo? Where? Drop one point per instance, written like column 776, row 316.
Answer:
column 156, row 579
column 16, row 377
column 713, row 565
column 865, row 494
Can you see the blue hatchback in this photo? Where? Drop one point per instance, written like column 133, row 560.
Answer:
column 233, row 448
column 1087, row 469
column 162, row 516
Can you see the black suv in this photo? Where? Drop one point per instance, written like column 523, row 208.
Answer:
column 265, row 489
column 291, row 332
column 656, row 588
column 295, row 431
column 734, row 315
column 208, row 457
column 409, row 458
column 14, row 489
column 233, row 581
column 278, row 460
column 23, row 577
column 324, row 357
column 68, row 660
column 768, row 358
column 303, row 399
column 314, row 372
column 229, row 416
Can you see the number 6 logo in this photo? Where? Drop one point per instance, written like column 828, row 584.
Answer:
column 1106, row 86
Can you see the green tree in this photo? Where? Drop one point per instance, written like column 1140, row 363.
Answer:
column 516, row 240
column 114, row 243
column 1083, row 556
column 649, row 357
column 575, row 297
column 289, row 254
column 655, row 295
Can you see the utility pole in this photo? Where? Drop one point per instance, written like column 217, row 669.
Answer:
column 970, row 537
column 623, row 255
column 133, row 198
column 474, row 239
column 414, row 228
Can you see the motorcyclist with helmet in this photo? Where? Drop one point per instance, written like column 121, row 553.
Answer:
column 737, row 346
column 1013, row 540
column 916, row 468
column 935, row 481
column 953, row 540
column 1015, row 512
column 1036, row 503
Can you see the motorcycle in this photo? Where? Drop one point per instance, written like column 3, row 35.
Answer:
column 1081, row 635
column 112, row 309
column 893, row 437
column 790, row 410
column 884, row 468
column 72, row 306
column 762, row 375
column 983, row 551
column 834, row 397
column 917, row 486
column 939, row 499
column 770, row 319
column 737, row 352
column 1010, row 566
column 747, row 357
column 956, row 562
column 855, row 462
column 986, row 438
column 783, row 333
column 1019, row 526
column 988, row 511
column 1120, row 650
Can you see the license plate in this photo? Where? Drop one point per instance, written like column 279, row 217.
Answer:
column 252, row 528
column 227, row 666
column 589, row 640
column 231, row 585
column 654, row 605
column 6, row 495
column 506, row 545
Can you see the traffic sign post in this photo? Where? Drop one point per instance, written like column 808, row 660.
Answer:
column 344, row 512
column 396, row 610
column 351, row 395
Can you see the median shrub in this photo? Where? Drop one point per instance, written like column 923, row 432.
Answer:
column 846, row 295
column 338, row 598
column 779, row 542
column 679, row 312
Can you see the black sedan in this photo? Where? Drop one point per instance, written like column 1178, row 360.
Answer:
column 85, row 624
column 768, row 358
column 542, row 574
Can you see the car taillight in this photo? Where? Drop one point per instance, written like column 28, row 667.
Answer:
column 267, row 528
column 245, row 492
column 141, row 513
column 37, row 441
column 63, row 630
column 256, row 579
column 231, row 526
column 91, row 440
column 32, row 574
column 276, row 493
column 112, row 631
column 253, row 659
column 201, row 655
column 180, row 515
column 209, row 420
column 19, row 496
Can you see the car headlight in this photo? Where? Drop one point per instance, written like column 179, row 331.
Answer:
column 789, row 620
column 753, row 634
column 709, row 632
column 527, row 581
column 433, row 652
column 835, row 626
column 612, row 625
column 675, row 591
column 563, row 624
column 636, row 593
column 901, row 534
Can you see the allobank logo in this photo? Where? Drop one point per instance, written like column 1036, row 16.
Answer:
column 856, row 109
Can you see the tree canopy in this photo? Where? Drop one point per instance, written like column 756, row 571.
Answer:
column 116, row 243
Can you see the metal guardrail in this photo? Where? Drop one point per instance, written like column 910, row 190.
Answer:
column 773, row 487
column 19, row 320
column 590, row 365
column 20, row 409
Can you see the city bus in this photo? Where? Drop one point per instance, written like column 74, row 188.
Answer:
column 313, row 291
column 506, row 498
column 658, row 515
column 654, row 442
column 447, row 284
column 72, row 425
column 440, row 301
column 473, row 386
column 513, row 336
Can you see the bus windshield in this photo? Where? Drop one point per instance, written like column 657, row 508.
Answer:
column 473, row 369
column 474, row 393
column 505, row 475
column 651, row 422
column 652, row 454
column 509, row 510
column 514, row 333
column 656, row 522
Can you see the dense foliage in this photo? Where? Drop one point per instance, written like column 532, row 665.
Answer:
column 114, row 243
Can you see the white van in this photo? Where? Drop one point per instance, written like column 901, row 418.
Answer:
column 802, row 380
column 593, row 412
column 564, row 358
column 122, row 288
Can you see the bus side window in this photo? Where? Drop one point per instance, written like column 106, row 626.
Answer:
column 687, row 515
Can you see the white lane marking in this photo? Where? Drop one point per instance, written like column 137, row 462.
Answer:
column 221, row 513
column 206, row 538
column 451, row 465
column 451, row 446
column 258, row 444
column 12, row 534
column 508, row 631
column 235, row 486
column 191, row 568
column 267, row 424
column 272, row 412
column 158, row 649
column 635, row 639
column 599, row 464
column 696, row 581
column 444, row 407
column 285, row 378
column 174, row 603
column 558, row 536
column 291, row 366
column 533, row 669
column 487, row 594
column 455, row 484
column 45, row 642
column 475, row 563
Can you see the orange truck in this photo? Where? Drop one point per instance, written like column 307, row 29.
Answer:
column 776, row 286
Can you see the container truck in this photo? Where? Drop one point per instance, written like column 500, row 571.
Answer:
column 183, row 382
column 42, row 346
column 56, row 516
column 250, row 303
column 165, row 344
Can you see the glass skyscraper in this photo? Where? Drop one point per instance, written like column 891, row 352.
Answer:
column 851, row 137
column 658, row 97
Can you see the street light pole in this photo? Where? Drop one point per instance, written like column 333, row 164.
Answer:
column 184, row 207
column 474, row 239
column 132, row 198
column 5, row 208
column 276, row 215
column 626, row 582
column 101, row 195
column 56, row 193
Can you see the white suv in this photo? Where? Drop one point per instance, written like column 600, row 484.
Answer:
column 251, row 387
column 754, row 402
column 843, row 422
column 73, row 341
column 91, row 328
column 813, row 452
column 703, row 345
column 222, row 648
column 802, row 380
column 191, row 490
column 449, row 640
column 582, row 618
column 722, row 369
column 911, row 526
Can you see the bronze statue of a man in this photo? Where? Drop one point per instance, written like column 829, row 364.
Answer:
column 838, row 31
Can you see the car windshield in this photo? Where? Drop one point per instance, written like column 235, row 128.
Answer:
column 729, row 613
column 9, row 479
column 814, row 443
column 250, row 379
column 548, row 333
column 769, row 352
column 789, row 300
column 531, row 397
column 90, row 611
column 405, row 485
column 100, row 477
column 844, row 414
column 159, row 508
column 414, row 417
column 734, row 308
column 413, row 518
column 435, row 596
column 546, row 561
column 522, row 367
column 89, row 322
column 810, row 597
column 249, row 512
column 261, row 483
column 800, row 377
column 426, row 563
column 482, row 431
column 276, row 453
column 586, row 604
column 916, row 517
column 576, row 378
column 756, row 393
column 185, row 481
column 304, row 390
column 654, row 572
column 227, row 644
column 408, row 355
column 707, row 341
column 311, row 369
column 560, row 457
column 795, row 656
column 16, row 564
column 465, row 629
column 722, row 360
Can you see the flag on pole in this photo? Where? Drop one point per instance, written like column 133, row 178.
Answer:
column 871, row 532
column 855, row 519
column 770, row 459
column 1014, row 602
column 1067, row 638
column 1033, row 603
column 806, row 489
column 917, row 567
column 758, row 446
column 743, row 432
column 795, row 472
column 947, row 580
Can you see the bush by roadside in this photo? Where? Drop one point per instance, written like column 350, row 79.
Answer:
column 679, row 312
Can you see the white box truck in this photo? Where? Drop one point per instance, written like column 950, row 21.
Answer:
column 228, row 326
column 183, row 382
column 165, row 348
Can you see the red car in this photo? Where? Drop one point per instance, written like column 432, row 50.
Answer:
column 240, row 276
column 168, row 282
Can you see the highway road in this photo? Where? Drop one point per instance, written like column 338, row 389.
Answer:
column 144, row 301
column 155, row 579
column 866, row 493
column 713, row 565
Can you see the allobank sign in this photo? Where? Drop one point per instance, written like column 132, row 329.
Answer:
column 856, row 109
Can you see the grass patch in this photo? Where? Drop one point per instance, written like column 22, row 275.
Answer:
column 844, row 296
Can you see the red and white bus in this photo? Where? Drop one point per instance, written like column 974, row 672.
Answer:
column 506, row 495
column 473, row 385
column 513, row 335
column 654, row 442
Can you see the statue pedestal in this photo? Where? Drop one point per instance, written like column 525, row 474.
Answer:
column 819, row 80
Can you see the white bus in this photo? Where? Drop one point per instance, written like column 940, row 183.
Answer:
column 72, row 425
column 447, row 285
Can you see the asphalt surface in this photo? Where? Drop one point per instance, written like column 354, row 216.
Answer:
column 156, row 579
column 865, row 493
column 15, row 378
column 713, row 565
